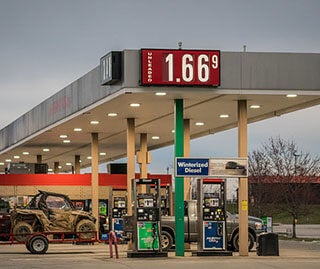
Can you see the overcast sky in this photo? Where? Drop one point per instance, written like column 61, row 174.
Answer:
column 47, row 44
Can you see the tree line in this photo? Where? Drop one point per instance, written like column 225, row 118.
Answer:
column 282, row 177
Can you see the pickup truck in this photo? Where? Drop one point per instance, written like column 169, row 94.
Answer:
column 255, row 227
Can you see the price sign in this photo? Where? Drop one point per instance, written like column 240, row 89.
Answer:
column 110, row 68
column 180, row 67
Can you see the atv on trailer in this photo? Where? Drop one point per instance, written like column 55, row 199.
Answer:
column 51, row 212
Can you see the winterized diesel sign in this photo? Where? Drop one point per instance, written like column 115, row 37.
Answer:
column 192, row 167
column 213, row 167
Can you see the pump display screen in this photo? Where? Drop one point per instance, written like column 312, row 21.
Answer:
column 121, row 204
column 180, row 67
column 145, row 202
column 211, row 202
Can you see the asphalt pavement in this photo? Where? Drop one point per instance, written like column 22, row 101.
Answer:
column 302, row 230
column 293, row 255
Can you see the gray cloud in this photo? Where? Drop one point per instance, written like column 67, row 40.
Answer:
column 45, row 45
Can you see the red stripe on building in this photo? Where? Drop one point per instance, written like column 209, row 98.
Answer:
column 119, row 180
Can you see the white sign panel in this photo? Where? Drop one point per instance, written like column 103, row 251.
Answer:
column 228, row 167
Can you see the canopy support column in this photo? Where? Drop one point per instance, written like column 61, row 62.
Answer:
column 243, row 182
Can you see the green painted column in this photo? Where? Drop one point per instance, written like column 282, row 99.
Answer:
column 179, row 181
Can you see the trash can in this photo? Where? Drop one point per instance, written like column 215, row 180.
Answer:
column 268, row 244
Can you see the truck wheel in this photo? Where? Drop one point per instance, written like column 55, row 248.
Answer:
column 38, row 244
column 235, row 241
column 22, row 231
column 166, row 241
column 86, row 228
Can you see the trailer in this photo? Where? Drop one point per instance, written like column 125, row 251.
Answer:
column 38, row 243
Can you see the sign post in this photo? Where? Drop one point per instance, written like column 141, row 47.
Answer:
column 179, row 181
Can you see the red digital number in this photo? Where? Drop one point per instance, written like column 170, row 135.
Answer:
column 180, row 67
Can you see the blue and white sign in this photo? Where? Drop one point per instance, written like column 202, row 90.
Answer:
column 213, row 235
column 190, row 167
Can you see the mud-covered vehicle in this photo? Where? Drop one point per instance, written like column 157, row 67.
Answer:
column 51, row 212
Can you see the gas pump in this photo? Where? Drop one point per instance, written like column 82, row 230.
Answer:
column 212, row 217
column 147, row 223
column 147, row 220
column 118, row 210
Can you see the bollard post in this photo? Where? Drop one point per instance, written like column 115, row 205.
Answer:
column 113, row 239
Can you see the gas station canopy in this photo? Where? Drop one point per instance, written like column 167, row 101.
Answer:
column 101, row 101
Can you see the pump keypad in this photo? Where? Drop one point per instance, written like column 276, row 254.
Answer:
column 213, row 213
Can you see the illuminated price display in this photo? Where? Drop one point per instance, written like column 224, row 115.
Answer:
column 180, row 67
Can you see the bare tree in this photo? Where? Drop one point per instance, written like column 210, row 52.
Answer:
column 258, row 170
column 280, row 165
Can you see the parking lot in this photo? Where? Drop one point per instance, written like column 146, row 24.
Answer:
column 293, row 254
column 302, row 230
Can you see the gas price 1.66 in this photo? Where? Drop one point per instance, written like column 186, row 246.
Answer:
column 180, row 67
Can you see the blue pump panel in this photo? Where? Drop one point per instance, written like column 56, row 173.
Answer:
column 118, row 226
column 213, row 235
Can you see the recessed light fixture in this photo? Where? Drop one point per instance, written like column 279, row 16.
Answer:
column 1, row 163
column 46, row 150
column 255, row 106
column 63, row 136
column 112, row 114
column 8, row 160
column 134, row 105
column 173, row 131
column 89, row 157
column 69, row 164
column 102, row 153
column 291, row 95
column 224, row 116
column 59, row 166
column 94, row 122
column 155, row 137
column 25, row 153
column 77, row 129
column 16, row 157
column 66, row 141
column 50, row 170
column 199, row 123
column 161, row 93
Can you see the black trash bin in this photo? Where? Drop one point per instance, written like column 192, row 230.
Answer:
column 268, row 244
